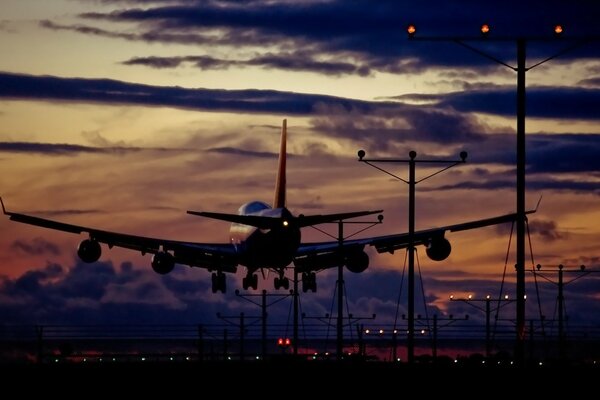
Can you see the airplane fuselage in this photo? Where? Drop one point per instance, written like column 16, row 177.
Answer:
column 265, row 248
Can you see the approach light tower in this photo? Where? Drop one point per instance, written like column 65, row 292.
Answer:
column 412, row 183
column 521, row 68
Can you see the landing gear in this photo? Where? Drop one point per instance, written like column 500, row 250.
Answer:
column 309, row 282
column 250, row 281
column 281, row 282
column 218, row 282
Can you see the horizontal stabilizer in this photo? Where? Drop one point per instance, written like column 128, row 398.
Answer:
column 308, row 220
column 261, row 222
column 265, row 222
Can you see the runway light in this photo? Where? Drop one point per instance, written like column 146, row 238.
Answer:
column 451, row 296
column 505, row 297
column 488, row 297
column 470, row 296
column 367, row 331
column 381, row 331
column 285, row 223
column 485, row 29
column 558, row 29
column 411, row 29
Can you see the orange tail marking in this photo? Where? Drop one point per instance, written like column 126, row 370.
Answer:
column 279, row 200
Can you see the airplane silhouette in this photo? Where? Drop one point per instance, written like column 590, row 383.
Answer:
column 263, row 237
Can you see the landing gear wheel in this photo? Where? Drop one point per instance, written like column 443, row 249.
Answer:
column 309, row 282
column 250, row 281
column 219, row 282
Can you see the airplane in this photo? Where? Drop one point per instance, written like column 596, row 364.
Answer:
column 263, row 237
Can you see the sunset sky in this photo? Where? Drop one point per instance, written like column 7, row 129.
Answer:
column 123, row 114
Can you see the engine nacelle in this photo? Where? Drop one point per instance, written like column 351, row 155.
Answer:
column 89, row 250
column 357, row 262
column 163, row 263
column 438, row 249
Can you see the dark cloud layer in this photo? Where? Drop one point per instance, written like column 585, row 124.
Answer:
column 298, row 61
column 557, row 102
column 373, row 33
column 99, row 293
column 15, row 86
column 58, row 148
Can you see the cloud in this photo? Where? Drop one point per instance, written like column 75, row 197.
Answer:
column 59, row 149
column 16, row 86
column 38, row 246
column 375, row 35
column 296, row 61
column 546, row 230
column 242, row 152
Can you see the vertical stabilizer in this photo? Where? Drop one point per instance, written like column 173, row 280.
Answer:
column 279, row 200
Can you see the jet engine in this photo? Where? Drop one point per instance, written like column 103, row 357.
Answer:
column 357, row 262
column 163, row 262
column 89, row 250
column 438, row 249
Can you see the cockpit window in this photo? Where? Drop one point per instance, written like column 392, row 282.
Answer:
column 252, row 207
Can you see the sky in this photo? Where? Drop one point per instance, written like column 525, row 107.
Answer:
column 123, row 114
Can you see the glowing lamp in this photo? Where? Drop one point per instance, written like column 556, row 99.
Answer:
column 411, row 29
column 485, row 29
column 558, row 29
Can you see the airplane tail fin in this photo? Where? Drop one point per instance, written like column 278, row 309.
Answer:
column 279, row 200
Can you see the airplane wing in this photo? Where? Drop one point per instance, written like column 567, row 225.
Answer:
column 317, row 256
column 217, row 256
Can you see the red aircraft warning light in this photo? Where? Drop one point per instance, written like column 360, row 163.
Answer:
column 558, row 29
column 485, row 29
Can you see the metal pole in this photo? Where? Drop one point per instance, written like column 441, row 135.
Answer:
column 242, row 329
column 295, row 343
column 410, row 342
column 225, row 344
column 361, row 344
column 488, row 344
column 435, row 328
column 520, row 265
column 200, row 342
column 394, row 345
column 340, row 297
column 561, row 333
column 531, row 343
column 264, row 324
column 39, row 331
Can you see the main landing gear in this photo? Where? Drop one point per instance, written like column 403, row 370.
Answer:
column 218, row 282
column 281, row 282
column 250, row 281
column 309, row 282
